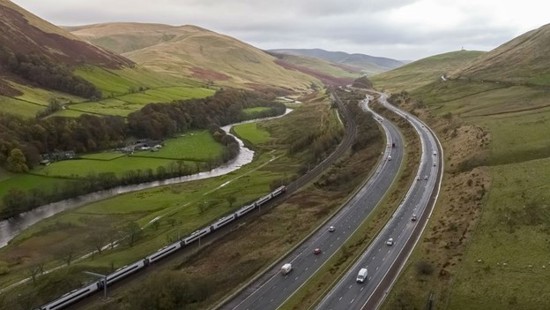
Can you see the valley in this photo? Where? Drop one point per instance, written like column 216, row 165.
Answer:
column 125, row 104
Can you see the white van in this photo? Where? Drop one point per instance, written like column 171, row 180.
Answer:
column 362, row 275
column 286, row 269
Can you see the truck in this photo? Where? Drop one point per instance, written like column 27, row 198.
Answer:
column 286, row 269
column 362, row 275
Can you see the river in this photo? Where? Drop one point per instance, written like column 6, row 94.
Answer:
column 10, row 228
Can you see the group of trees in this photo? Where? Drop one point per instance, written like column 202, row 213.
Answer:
column 23, row 140
column 42, row 71
column 225, row 107
column 33, row 137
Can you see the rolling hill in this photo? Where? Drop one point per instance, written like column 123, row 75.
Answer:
column 360, row 62
column 523, row 60
column 424, row 71
column 195, row 52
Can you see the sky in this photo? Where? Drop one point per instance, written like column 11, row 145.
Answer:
column 399, row 29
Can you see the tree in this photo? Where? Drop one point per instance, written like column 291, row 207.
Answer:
column 66, row 253
column 17, row 162
column 134, row 232
column 14, row 202
column 231, row 200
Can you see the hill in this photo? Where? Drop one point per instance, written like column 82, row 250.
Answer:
column 26, row 34
column 423, row 71
column 195, row 52
column 361, row 62
column 523, row 60
column 47, row 70
column 329, row 73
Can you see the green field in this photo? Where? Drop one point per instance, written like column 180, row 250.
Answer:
column 27, row 182
column 252, row 111
column 128, row 103
column 196, row 146
column 80, row 168
column 252, row 132
column 507, row 262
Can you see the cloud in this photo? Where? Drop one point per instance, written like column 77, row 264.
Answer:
column 403, row 29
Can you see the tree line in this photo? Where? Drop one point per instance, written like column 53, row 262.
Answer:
column 23, row 140
column 40, row 70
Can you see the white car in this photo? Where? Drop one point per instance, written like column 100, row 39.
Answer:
column 331, row 229
column 389, row 242
column 413, row 218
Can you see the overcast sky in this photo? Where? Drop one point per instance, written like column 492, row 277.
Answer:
column 400, row 29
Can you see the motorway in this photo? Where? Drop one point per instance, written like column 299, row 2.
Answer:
column 272, row 289
column 384, row 261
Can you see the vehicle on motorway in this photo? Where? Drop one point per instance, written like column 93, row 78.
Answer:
column 425, row 177
column 90, row 288
column 389, row 242
column 435, row 153
column 286, row 268
column 362, row 275
column 389, row 157
column 393, row 144
column 317, row 251
column 331, row 229
column 413, row 218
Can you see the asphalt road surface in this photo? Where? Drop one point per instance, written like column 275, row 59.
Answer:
column 382, row 260
column 273, row 288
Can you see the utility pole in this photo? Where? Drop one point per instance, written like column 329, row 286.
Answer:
column 103, row 278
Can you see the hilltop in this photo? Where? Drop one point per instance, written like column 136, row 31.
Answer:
column 523, row 60
column 358, row 62
column 195, row 52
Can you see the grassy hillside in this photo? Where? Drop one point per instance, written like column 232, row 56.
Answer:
column 196, row 53
column 423, row 71
column 23, row 32
column 124, row 91
column 487, row 252
column 524, row 58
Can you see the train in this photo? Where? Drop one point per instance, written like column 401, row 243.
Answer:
column 80, row 293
